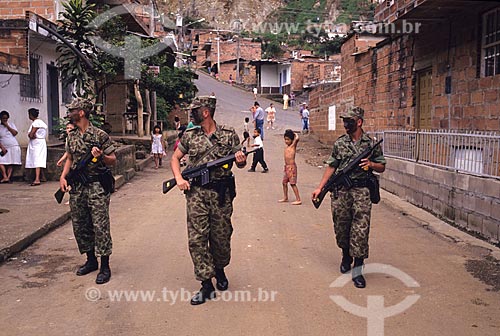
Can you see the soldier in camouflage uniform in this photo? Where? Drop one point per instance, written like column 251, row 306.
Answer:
column 351, row 208
column 89, row 202
column 209, row 207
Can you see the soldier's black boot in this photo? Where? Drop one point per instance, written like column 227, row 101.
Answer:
column 90, row 265
column 345, row 264
column 222, row 283
column 207, row 292
column 105, row 272
column 357, row 273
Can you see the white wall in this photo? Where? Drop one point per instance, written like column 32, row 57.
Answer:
column 286, row 70
column 10, row 97
column 270, row 75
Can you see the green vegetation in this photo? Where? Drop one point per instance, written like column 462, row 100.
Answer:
column 355, row 10
column 301, row 24
column 94, row 69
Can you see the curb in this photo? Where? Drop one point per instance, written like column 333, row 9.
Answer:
column 20, row 245
column 433, row 224
column 23, row 243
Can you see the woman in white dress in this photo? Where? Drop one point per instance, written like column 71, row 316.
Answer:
column 37, row 147
column 11, row 151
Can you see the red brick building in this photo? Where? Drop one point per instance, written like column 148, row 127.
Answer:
column 442, row 74
column 430, row 74
column 209, row 49
column 310, row 71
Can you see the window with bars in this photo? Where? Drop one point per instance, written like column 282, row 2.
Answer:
column 31, row 85
column 491, row 43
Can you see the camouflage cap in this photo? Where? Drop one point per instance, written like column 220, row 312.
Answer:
column 352, row 112
column 200, row 101
column 81, row 104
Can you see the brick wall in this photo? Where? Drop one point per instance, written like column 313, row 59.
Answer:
column 308, row 71
column 16, row 9
column 14, row 41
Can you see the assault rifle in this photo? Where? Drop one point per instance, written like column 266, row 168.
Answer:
column 79, row 174
column 202, row 173
column 341, row 177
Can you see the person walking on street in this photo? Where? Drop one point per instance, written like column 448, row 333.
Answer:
column 254, row 93
column 258, row 119
column 271, row 116
column 351, row 208
column 258, row 156
column 285, row 101
column 89, row 200
column 36, row 155
column 11, row 151
column 305, row 120
column 209, row 207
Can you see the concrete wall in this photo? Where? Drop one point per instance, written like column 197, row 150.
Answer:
column 469, row 202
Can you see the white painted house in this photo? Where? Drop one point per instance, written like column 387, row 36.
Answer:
column 28, row 74
column 273, row 77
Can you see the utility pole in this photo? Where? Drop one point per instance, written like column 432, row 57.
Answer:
column 237, row 28
column 238, row 79
column 218, row 53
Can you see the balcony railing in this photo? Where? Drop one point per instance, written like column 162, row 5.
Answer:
column 476, row 153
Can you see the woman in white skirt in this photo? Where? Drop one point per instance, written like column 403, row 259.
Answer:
column 10, row 150
column 37, row 147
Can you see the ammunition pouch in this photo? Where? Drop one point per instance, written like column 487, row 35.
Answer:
column 222, row 186
column 106, row 179
column 371, row 182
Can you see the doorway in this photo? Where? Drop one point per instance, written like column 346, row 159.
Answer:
column 52, row 98
column 424, row 99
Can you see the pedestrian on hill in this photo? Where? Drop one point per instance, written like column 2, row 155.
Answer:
column 10, row 154
column 351, row 207
column 258, row 156
column 89, row 200
column 305, row 120
column 302, row 107
column 258, row 119
column 271, row 116
column 286, row 98
column 246, row 132
column 36, row 156
column 254, row 93
column 209, row 206
column 158, row 148
column 177, row 122
column 290, row 169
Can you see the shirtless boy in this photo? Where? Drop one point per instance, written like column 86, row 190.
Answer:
column 290, row 170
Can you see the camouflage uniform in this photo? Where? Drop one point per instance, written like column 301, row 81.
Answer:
column 209, row 208
column 90, row 203
column 351, row 208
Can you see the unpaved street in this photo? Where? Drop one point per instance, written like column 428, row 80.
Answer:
column 284, row 264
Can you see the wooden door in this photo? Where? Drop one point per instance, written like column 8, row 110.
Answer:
column 424, row 102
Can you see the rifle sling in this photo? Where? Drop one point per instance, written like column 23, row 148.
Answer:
column 204, row 155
